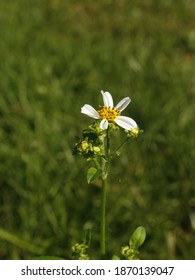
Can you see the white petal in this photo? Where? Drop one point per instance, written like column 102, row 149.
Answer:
column 90, row 111
column 123, row 104
column 125, row 122
column 104, row 124
column 107, row 98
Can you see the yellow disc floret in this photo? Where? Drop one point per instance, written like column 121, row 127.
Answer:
column 108, row 113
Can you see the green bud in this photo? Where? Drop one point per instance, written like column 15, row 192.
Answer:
column 134, row 132
column 129, row 253
column 79, row 251
column 138, row 237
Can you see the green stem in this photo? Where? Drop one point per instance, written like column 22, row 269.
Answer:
column 107, row 144
column 120, row 146
column 105, row 167
column 96, row 163
column 103, row 219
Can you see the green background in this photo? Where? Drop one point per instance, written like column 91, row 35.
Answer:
column 55, row 56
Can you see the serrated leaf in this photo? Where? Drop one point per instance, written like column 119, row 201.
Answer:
column 93, row 174
column 137, row 238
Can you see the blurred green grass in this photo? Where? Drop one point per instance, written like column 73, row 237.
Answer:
column 55, row 56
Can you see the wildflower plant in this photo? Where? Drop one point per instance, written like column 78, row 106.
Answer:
column 95, row 147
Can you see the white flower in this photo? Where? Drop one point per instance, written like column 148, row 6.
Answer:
column 110, row 113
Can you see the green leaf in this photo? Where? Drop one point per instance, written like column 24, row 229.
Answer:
column 114, row 257
column 48, row 258
column 19, row 242
column 137, row 238
column 93, row 174
column 90, row 135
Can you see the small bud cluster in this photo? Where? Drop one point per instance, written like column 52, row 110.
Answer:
column 134, row 132
column 79, row 251
column 129, row 253
column 91, row 144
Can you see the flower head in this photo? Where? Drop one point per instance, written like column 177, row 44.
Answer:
column 134, row 132
column 109, row 113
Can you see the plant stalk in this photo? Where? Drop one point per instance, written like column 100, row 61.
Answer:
column 105, row 167
column 103, row 219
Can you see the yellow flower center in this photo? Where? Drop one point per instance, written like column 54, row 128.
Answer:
column 107, row 113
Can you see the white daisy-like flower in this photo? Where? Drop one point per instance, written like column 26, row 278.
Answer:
column 110, row 113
